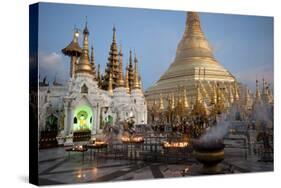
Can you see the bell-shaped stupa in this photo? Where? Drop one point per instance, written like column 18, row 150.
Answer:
column 194, row 64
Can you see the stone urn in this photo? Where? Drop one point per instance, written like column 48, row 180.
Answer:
column 210, row 154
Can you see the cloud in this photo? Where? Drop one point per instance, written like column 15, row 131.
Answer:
column 51, row 64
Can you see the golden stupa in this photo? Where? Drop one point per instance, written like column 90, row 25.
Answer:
column 193, row 66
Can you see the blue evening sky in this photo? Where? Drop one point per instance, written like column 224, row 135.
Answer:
column 242, row 44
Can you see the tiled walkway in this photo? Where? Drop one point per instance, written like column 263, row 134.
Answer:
column 56, row 168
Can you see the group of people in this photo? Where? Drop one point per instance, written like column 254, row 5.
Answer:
column 193, row 127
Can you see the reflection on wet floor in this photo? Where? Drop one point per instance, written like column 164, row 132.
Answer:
column 56, row 168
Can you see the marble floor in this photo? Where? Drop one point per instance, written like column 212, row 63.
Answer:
column 55, row 167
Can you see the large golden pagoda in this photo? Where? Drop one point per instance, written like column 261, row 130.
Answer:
column 194, row 65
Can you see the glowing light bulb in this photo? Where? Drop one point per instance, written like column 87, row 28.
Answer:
column 76, row 34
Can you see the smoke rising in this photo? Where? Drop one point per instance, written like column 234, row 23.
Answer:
column 217, row 132
column 262, row 117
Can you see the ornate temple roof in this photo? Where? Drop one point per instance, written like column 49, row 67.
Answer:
column 73, row 48
column 82, row 62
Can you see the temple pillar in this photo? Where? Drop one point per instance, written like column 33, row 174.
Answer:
column 98, row 120
column 67, row 118
column 95, row 122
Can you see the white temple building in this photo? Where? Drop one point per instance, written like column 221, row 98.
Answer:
column 90, row 100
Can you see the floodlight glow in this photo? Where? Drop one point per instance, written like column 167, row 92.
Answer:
column 83, row 115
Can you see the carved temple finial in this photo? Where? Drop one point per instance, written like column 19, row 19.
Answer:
column 193, row 26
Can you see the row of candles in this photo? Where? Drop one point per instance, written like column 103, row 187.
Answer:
column 135, row 139
column 92, row 142
column 96, row 142
column 138, row 139
column 172, row 144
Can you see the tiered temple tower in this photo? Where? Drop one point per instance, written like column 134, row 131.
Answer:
column 83, row 62
column 84, row 66
column 112, row 66
column 115, row 68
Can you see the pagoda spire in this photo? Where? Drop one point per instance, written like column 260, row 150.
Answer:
column 136, row 84
column 127, row 83
column 120, row 81
column 99, row 77
column 131, row 59
column 131, row 71
column 140, row 82
column 92, row 61
column 114, row 34
column 258, row 95
column 112, row 65
column 193, row 43
column 84, row 65
column 85, row 50
column 193, row 25
column 263, row 87
column 200, row 107
column 258, row 100
column 269, row 93
column 110, row 88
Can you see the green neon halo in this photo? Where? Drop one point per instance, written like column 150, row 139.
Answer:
column 82, row 113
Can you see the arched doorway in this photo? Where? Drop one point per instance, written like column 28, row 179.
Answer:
column 82, row 119
column 109, row 119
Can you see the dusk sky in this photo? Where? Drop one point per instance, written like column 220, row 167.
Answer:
column 242, row 44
